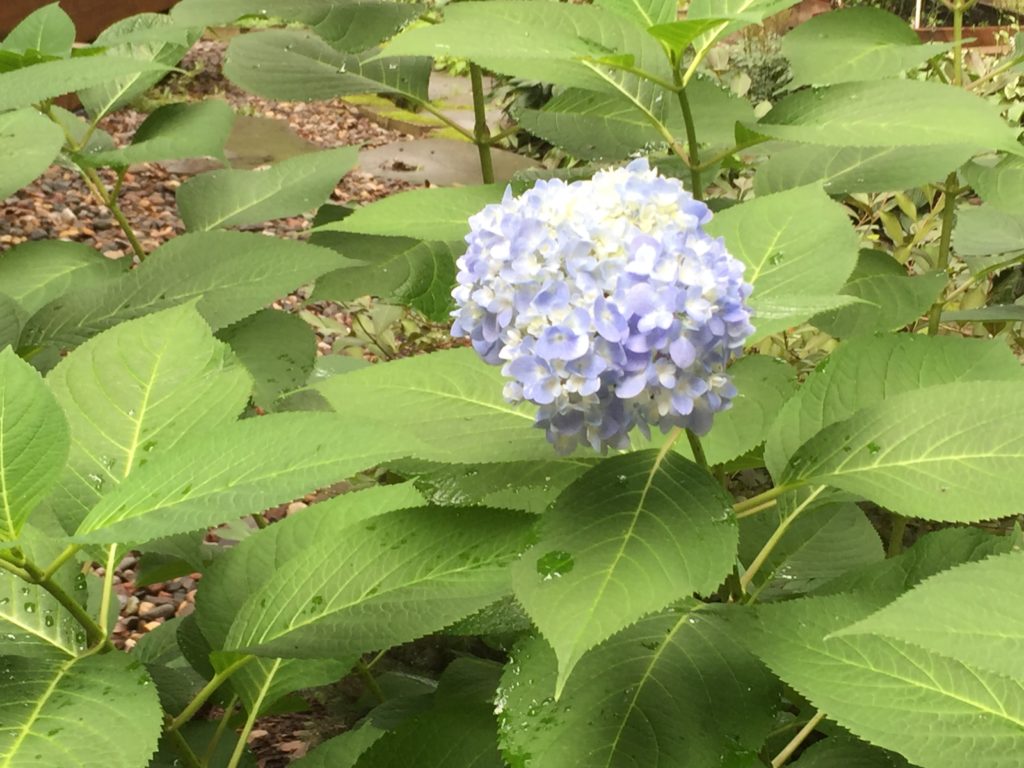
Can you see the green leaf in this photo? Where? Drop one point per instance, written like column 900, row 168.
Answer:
column 258, row 560
column 48, row 30
column 397, row 269
column 679, row 35
column 461, row 484
column 906, row 113
column 643, row 12
column 867, row 371
column 29, row 143
column 449, row 402
column 134, row 393
column 173, row 132
column 33, row 442
column 292, row 64
column 632, row 535
column 858, row 169
column 847, row 752
column 32, row 622
column 232, row 198
column 403, row 575
column 822, row 545
column 249, row 272
column 1000, row 185
column 779, row 238
column 457, row 729
column 854, row 44
column 145, row 37
column 425, row 214
column 674, row 689
column 62, row 712
column 763, row 385
column 35, row 273
column 896, row 299
column 277, row 348
column 930, row 453
column 961, row 613
column 344, row 750
column 997, row 313
column 937, row 712
column 982, row 230
column 743, row 13
column 11, row 320
column 239, row 469
column 41, row 82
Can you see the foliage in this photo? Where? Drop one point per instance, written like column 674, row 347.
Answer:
column 725, row 601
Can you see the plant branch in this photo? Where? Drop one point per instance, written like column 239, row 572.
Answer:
column 69, row 551
column 760, row 501
column 95, row 635
column 481, row 134
column 205, row 693
column 229, row 710
column 370, row 681
column 100, row 189
column 243, row 735
column 428, row 107
column 697, row 186
column 698, row 450
column 794, row 743
column 948, row 212
column 775, row 538
column 642, row 73
column 190, row 758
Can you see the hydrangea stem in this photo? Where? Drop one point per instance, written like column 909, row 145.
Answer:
column 481, row 135
column 794, row 744
column 698, row 450
column 207, row 691
column 693, row 148
column 775, row 538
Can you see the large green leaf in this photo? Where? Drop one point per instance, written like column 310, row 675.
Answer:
column 40, row 82
column 848, row 752
column 779, row 238
column 858, row 169
column 34, row 442
column 48, row 30
column 28, row 144
column 936, row 711
column 962, row 613
column 827, row 542
column 231, row 198
column 982, row 230
column 642, row 12
column 232, row 274
column 277, row 348
column 674, row 689
column 145, row 37
column 931, row 453
column 865, row 372
column 36, row 272
column 257, row 561
column 292, row 64
column 461, row 484
column 854, row 44
column 896, row 299
column 133, row 393
column 450, row 402
column 240, row 469
column 889, row 113
column 32, row 621
column 632, row 535
column 1000, row 185
column 425, row 214
column 401, row 576
column 398, row 269
column 173, row 132
column 12, row 318
column 679, row 35
column 64, row 712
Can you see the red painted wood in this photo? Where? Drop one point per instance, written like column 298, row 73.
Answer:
column 90, row 16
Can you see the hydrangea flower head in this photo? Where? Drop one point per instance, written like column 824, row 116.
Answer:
column 607, row 305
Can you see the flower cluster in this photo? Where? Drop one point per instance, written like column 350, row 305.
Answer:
column 607, row 303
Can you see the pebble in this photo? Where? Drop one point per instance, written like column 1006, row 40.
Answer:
column 164, row 611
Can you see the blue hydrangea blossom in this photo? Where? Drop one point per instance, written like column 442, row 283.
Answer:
column 607, row 305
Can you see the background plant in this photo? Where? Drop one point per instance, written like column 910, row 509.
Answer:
column 652, row 607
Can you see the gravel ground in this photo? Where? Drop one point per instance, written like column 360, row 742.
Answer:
column 60, row 206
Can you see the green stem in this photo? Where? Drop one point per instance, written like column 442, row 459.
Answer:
column 642, row 73
column 775, row 538
column 18, row 571
column 108, row 583
column 794, row 744
column 759, row 502
column 948, row 213
column 96, row 635
column 997, row 72
column 428, row 107
column 243, row 735
column 229, row 710
column 899, row 527
column 69, row 551
column 693, row 149
column 481, row 134
column 100, row 189
column 190, row 757
column 958, row 43
column 370, row 681
column 206, row 692
column 498, row 137
column 698, row 450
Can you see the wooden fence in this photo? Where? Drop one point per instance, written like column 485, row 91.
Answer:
column 90, row 16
